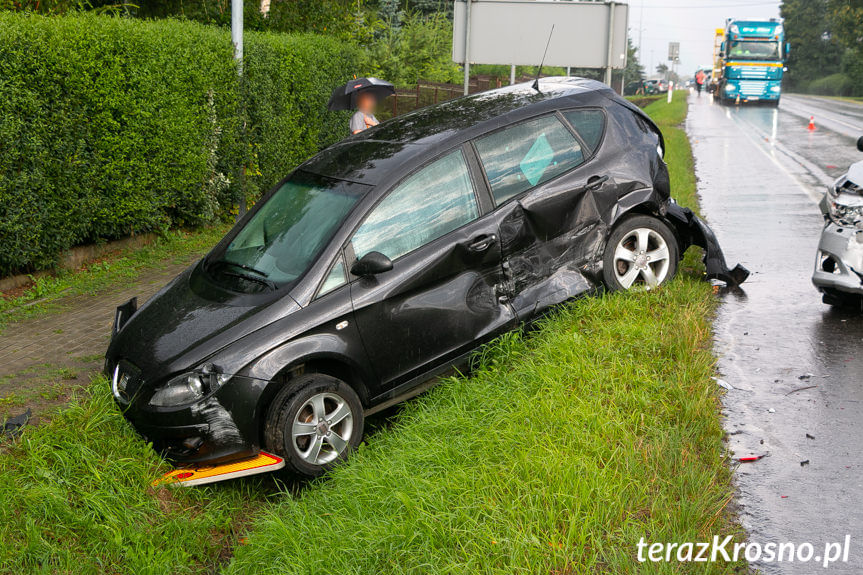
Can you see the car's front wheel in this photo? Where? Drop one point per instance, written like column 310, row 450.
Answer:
column 313, row 423
column 641, row 252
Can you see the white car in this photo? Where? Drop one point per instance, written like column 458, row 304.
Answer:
column 839, row 263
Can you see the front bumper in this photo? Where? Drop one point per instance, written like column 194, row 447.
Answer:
column 752, row 90
column 223, row 426
column 839, row 262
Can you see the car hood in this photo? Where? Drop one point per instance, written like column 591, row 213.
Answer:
column 178, row 329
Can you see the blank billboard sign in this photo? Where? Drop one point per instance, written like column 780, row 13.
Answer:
column 516, row 31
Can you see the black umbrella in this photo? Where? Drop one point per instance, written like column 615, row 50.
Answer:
column 345, row 97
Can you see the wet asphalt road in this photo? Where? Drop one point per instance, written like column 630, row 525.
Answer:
column 761, row 174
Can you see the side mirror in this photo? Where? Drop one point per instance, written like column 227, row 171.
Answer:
column 860, row 144
column 371, row 264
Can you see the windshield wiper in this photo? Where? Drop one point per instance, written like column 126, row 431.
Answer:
column 251, row 278
column 242, row 267
column 248, row 277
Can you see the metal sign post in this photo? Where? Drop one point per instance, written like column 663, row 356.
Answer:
column 467, row 48
column 609, row 59
column 237, row 41
column 674, row 58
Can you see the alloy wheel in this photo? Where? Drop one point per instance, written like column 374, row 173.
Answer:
column 322, row 428
column 641, row 257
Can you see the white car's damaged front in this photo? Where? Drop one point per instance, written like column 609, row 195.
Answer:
column 839, row 262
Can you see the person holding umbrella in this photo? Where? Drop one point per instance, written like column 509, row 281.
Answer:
column 364, row 117
column 361, row 94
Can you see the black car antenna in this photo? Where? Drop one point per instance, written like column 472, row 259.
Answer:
column 539, row 72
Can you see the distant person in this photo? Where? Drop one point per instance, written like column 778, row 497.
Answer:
column 700, row 76
column 364, row 118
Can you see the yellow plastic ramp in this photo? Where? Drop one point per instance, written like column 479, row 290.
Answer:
column 261, row 463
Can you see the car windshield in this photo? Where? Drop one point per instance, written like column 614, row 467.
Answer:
column 755, row 50
column 285, row 236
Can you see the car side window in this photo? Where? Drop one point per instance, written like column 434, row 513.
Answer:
column 589, row 124
column 336, row 278
column 527, row 154
column 433, row 202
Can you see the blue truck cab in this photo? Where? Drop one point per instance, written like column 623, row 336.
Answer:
column 753, row 60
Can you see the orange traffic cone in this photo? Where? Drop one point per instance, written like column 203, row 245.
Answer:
column 811, row 126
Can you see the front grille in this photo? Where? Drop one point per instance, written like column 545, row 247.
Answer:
column 126, row 381
column 752, row 87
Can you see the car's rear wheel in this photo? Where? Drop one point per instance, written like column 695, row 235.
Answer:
column 314, row 423
column 641, row 252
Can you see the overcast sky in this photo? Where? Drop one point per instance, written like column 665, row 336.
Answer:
column 690, row 22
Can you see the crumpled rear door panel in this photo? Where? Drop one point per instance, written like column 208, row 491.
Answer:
column 549, row 241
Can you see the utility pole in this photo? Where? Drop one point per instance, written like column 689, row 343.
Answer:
column 237, row 41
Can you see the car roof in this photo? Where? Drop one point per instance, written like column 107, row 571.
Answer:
column 398, row 145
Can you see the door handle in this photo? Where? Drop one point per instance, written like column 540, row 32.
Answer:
column 482, row 243
column 595, row 182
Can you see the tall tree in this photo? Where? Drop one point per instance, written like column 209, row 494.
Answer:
column 815, row 53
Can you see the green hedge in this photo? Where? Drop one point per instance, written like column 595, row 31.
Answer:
column 111, row 126
column 832, row 85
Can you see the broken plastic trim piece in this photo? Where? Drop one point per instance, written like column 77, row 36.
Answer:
column 122, row 315
column 700, row 234
column 261, row 463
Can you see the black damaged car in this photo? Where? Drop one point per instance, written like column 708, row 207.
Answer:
column 387, row 258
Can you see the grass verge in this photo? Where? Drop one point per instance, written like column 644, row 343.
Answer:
column 556, row 456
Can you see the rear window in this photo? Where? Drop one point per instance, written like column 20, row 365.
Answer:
column 527, row 154
column 590, row 125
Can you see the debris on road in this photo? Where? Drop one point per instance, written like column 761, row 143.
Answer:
column 751, row 458
column 771, row 410
column 14, row 425
column 724, row 384
column 801, row 389
column 804, row 463
column 810, row 436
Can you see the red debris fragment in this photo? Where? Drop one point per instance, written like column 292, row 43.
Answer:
column 749, row 458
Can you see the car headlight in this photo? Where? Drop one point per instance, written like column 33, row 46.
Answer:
column 730, row 87
column 188, row 387
column 845, row 215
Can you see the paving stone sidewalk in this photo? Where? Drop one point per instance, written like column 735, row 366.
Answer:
column 45, row 358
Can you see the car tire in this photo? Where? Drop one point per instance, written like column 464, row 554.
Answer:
column 641, row 250
column 842, row 300
column 314, row 423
